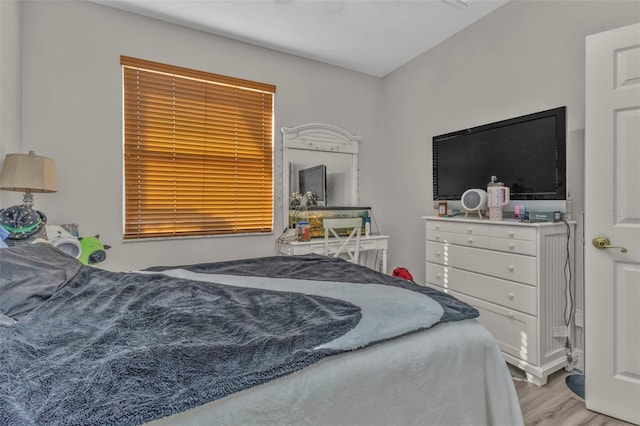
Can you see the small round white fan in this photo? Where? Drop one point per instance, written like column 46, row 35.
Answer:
column 474, row 200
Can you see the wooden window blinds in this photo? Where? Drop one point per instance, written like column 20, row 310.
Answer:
column 198, row 152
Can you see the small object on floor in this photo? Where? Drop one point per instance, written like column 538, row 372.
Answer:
column 575, row 383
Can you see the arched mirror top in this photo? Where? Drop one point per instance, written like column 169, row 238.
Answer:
column 320, row 137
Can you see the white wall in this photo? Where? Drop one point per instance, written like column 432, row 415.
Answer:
column 73, row 113
column 10, row 85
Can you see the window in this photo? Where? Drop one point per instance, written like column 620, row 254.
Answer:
column 198, row 152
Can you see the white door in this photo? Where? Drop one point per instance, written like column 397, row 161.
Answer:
column 612, row 210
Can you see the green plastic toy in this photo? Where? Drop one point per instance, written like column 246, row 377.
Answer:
column 93, row 251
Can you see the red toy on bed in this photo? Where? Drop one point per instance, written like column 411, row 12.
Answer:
column 401, row 272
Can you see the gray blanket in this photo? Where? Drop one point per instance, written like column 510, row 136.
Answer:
column 126, row 348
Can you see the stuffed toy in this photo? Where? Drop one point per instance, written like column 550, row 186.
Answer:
column 93, row 251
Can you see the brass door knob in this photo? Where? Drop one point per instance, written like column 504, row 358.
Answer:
column 604, row 243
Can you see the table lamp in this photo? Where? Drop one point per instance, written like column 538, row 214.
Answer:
column 28, row 173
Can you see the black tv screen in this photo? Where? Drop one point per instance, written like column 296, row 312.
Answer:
column 314, row 180
column 527, row 153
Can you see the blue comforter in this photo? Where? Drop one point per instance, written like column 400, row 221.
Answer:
column 98, row 347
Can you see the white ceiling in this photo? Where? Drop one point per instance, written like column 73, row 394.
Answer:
column 370, row 36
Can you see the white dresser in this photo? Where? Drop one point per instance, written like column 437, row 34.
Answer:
column 516, row 275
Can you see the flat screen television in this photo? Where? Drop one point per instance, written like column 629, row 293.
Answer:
column 527, row 153
column 314, row 180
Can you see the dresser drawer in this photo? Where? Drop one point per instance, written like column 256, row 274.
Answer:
column 508, row 266
column 468, row 228
column 438, row 252
column 514, row 332
column 441, row 236
column 459, row 227
column 472, row 240
column 439, row 225
column 513, row 246
column 515, row 232
column 511, row 295
column 437, row 274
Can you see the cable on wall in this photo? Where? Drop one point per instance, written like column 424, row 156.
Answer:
column 569, row 306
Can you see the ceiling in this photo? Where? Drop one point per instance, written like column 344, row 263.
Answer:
column 370, row 36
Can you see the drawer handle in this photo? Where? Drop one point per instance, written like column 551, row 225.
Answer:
column 437, row 254
column 437, row 236
column 512, row 268
column 437, row 227
column 438, row 276
column 470, row 230
column 470, row 240
column 512, row 296
column 511, row 233
column 511, row 315
column 512, row 246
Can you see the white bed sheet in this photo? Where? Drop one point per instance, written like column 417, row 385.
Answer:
column 452, row 374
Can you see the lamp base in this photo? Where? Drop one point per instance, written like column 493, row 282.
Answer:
column 27, row 200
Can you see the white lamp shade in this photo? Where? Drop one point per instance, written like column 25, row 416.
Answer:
column 28, row 173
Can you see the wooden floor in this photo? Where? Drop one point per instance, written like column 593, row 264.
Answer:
column 555, row 405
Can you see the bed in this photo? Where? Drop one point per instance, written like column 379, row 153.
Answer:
column 275, row 340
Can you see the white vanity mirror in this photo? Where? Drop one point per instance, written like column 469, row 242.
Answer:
column 316, row 144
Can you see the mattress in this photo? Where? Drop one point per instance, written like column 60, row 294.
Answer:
column 451, row 374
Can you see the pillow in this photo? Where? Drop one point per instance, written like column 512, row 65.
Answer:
column 31, row 273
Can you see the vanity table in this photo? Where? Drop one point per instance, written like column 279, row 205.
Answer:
column 316, row 246
column 314, row 144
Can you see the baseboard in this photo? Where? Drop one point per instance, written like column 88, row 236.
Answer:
column 537, row 374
